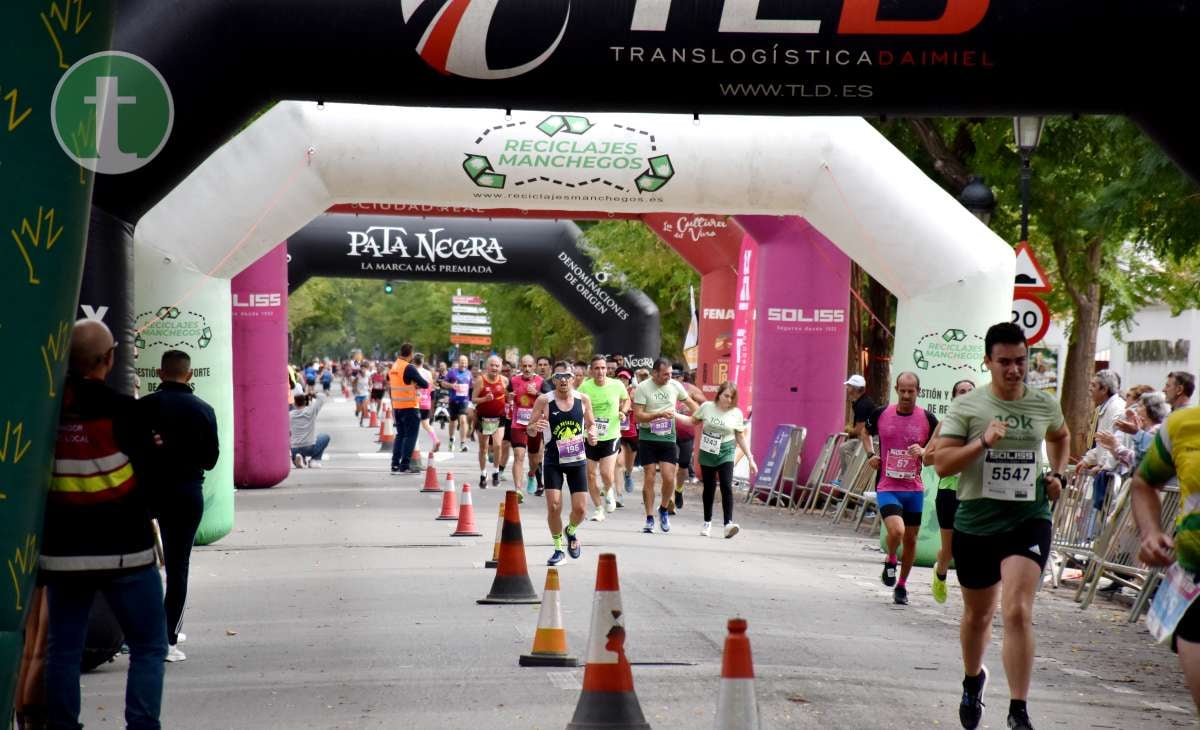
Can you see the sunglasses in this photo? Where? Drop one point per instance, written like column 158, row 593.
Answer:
column 562, row 376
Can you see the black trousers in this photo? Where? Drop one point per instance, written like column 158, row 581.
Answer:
column 711, row 475
column 179, row 511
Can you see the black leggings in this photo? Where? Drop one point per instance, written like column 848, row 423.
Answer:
column 710, row 475
column 178, row 518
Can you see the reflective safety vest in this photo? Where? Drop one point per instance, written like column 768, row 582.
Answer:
column 404, row 395
column 89, row 467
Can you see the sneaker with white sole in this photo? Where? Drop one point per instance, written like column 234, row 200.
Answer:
column 610, row 502
column 314, row 464
column 174, row 655
column 706, row 530
column 599, row 515
column 731, row 529
column 298, row 460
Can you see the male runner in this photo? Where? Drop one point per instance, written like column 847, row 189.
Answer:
column 566, row 417
column 609, row 402
column 506, row 424
column 526, row 387
column 580, row 369
column 629, row 442
column 491, row 393
column 458, row 382
column 545, row 370
column 992, row 437
column 654, row 411
column 904, row 430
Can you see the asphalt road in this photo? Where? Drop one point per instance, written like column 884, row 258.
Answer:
column 339, row 602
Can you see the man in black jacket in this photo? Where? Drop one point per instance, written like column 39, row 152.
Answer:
column 98, row 537
column 187, row 427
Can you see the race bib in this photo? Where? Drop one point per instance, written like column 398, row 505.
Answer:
column 710, row 443
column 462, row 390
column 901, row 466
column 624, row 421
column 488, row 426
column 570, row 450
column 523, row 416
column 1174, row 597
column 662, row 426
column 602, row 427
column 1010, row 475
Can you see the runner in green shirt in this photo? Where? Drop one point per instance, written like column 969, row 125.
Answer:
column 609, row 400
column 992, row 438
column 654, row 411
column 722, row 427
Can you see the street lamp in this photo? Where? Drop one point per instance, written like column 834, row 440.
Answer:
column 1028, row 132
column 978, row 198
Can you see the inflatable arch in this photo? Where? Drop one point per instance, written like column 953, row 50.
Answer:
column 976, row 57
column 544, row 252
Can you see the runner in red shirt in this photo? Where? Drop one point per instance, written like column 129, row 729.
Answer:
column 489, row 396
column 526, row 387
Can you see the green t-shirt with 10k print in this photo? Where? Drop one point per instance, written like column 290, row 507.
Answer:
column 1004, row 487
column 658, row 399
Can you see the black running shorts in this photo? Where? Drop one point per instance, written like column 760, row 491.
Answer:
column 575, row 475
column 657, row 452
column 947, row 506
column 602, row 449
column 977, row 558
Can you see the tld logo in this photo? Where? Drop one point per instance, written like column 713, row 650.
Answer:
column 457, row 38
column 806, row 316
column 274, row 299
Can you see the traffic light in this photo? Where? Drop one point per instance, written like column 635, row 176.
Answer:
column 387, row 287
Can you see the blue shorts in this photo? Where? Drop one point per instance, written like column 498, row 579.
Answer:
column 908, row 505
column 360, row 398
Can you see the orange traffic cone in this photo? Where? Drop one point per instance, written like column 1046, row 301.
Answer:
column 737, row 707
column 387, row 434
column 550, row 641
column 431, row 479
column 511, row 584
column 608, row 699
column 374, row 419
column 432, row 488
column 466, row 516
column 449, row 503
column 496, row 546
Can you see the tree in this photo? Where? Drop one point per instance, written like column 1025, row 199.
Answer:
column 1111, row 218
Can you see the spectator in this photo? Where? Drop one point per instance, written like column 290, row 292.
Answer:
column 188, row 429
column 862, row 407
column 308, row 447
column 1105, row 389
column 405, row 379
column 97, row 536
column 1141, row 422
column 1179, row 388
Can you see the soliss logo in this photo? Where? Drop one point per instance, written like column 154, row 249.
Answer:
column 778, row 314
column 455, row 43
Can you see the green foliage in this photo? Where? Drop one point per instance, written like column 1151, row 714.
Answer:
column 330, row 317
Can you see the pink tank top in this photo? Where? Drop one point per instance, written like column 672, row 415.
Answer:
column 900, row 471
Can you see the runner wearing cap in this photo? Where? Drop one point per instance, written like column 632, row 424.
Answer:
column 862, row 407
column 992, row 438
column 565, row 416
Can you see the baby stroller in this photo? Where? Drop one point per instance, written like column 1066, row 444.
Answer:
column 441, row 410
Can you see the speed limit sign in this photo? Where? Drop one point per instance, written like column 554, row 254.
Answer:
column 1032, row 315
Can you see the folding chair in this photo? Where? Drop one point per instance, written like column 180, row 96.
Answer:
column 843, row 464
column 825, row 472
column 814, row 476
column 791, row 470
column 856, row 494
column 840, row 488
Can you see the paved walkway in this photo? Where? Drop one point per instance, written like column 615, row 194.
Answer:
column 339, row 602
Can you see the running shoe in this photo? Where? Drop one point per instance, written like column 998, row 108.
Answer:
column 436, row 445
column 298, row 460
column 483, row 481
column 530, row 484
column 175, row 655
column 629, row 484
column 706, row 530
column 970, row 710
column 1019, row 721
column 678, row 499
column 649, row 524
column 556, row 558
column 731, row 529
column 540, row 491
column 495, row 478
column 598, row 515
column 900, row 596
column 464, row 447
column 610, row 502
column 396, row 471
column 313, row 464
column 664, row 521
column 573, row 548
column 889, row 574
column 939, row 588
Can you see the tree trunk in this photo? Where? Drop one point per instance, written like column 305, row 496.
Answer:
column 1081, row 343
column 879, row 342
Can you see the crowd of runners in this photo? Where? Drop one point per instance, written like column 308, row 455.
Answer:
column 1000, row 454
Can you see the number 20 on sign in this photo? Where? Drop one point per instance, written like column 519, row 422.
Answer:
column 1032, row 315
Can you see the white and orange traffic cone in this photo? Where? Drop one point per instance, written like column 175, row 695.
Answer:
column 374, row 419
column 511, row 583
column 431, row 479
column 449, row 503
column 737, row 706
column 608, row 699
column 417, row 459
column 550, row 640
column 466, row 516
column 496, row 546
column 434, row 489
column 387, row 434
